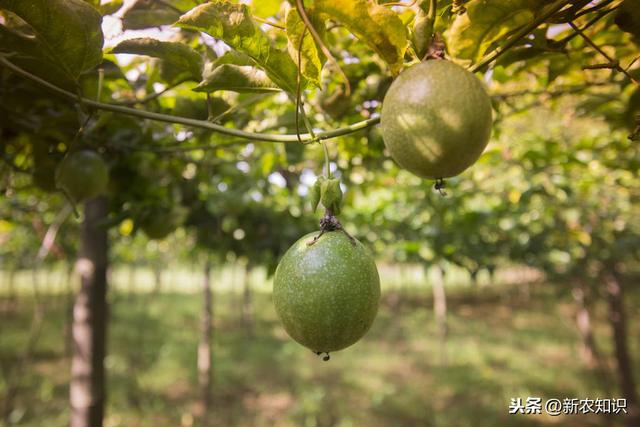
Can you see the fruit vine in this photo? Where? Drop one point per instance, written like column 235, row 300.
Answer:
column 117, row 107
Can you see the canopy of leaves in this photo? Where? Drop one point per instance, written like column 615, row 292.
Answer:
column 537, row 196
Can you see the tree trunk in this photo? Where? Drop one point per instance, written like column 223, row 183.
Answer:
column 157, row 279
column 440, row 310
column 131, row 279
column 617, row 317
column 68, row 324
column 247, row 306
column 204, row 348
column 588, row 350
column 87, row 394
column 11, row 291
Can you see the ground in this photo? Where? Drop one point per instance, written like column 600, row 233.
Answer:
column 500, row 345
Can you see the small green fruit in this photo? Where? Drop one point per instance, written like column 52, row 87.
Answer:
column 82, row 175
column 159, row 222
column 436, row 119
column 326, row 294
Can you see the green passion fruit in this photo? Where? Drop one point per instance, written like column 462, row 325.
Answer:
column 159, row 222
column 326, row 294
column 436, row 119
column 82, row 175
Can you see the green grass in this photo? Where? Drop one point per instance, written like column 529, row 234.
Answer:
column 498, row 347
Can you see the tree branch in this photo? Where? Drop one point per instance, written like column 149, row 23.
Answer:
column 551, row 10
column 202, row 124
column 614, row 64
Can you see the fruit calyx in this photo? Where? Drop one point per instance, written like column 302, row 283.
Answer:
column 330, row 222
column 440, row 186
column 326, row 356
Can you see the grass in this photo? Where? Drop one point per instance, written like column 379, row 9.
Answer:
column 498, row 347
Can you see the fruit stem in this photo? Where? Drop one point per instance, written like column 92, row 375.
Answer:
column 440, row 186
column 327, row 163
column 330, row 222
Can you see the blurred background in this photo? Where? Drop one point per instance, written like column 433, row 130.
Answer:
column 520, row 282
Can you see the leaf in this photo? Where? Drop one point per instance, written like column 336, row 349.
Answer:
column 232, row 23
column 138, row 19
column 236, row 78
column 155, row 13
column 378, row 26
column 29, row 54
column 235, row 58
column 69, row 31
column 186, row 61
column 265, row 8
column 311, row 57
column 110, row 7
column 484, row 23
column 628, row 18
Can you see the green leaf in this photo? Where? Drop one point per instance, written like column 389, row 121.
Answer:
column 485, row 22
column 137, row 19
column 232, row 23
column 28, row 54
column 315, row 192
column 628, row 17
column 331, row 195
column 110, row 7
column 311, row 57
column 155, row 13
column 235, row 58
column 186, row 61
column 236, row 78
column 69, row 31
column 378, row 26
column 265, row 8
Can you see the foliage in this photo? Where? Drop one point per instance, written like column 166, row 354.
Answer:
column 251, row 199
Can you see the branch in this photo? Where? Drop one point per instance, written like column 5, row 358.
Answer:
column 150, row 97
column 202, row 124
column 49, row 239
column 613, row 63
column 551, row 10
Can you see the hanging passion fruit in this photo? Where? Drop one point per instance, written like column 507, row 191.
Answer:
column 326, row 294
column 436, row 119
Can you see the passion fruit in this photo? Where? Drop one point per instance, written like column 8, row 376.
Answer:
column 326, row 294
column 158, row 222
column 82, row 175
column 436, row 119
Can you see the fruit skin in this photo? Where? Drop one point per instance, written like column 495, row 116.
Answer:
column 326, row 294
column 436, row 119
column 82, row 175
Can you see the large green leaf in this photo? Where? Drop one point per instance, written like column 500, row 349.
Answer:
column 265, row 8
column 484, row 23
column 311, row 57
column 186, row 61
column 236, row 78
column 233, row 24
column 138, row 19
column 628, row 18
column 378, row 26
column 28, row 54
column 155, row 13
column 69, row 31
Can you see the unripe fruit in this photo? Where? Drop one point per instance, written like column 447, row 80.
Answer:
column 436, row 119
column 82, row 175
column 159, row 222
column 326, row 294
